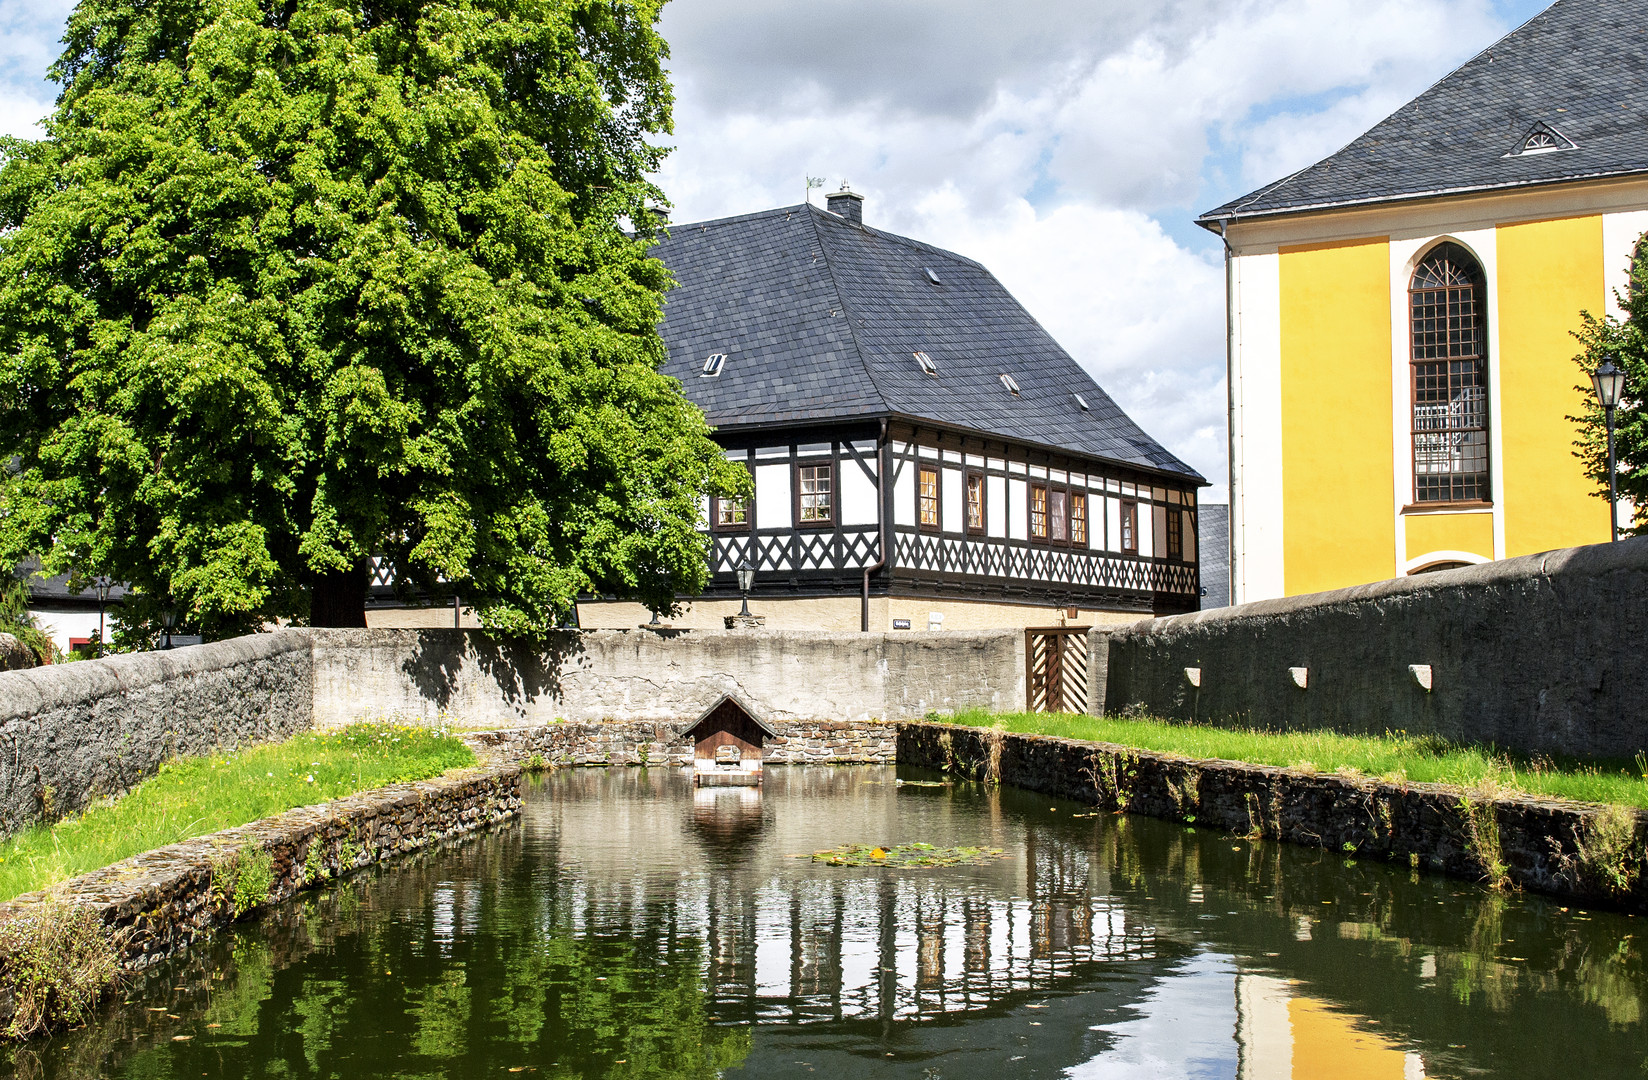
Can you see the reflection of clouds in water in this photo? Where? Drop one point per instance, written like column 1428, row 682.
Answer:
column 1185, row 1030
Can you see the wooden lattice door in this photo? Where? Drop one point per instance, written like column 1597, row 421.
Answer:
column 1056, row 669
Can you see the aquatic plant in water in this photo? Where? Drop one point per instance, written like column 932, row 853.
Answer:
column 901, row 856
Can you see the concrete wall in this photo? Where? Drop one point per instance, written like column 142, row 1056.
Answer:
column 72, row 732
column 1541, row 653
column 641, row 675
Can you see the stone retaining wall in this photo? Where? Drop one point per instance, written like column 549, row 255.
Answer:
column 72, row 732
column 1540, row 653
column 640, row 742
column 1584, row 852
column 673, row 676
column 159, row 902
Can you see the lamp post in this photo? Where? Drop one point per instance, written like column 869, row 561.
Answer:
column 102, row 585
column 168, row 619
column 746, row 578
column 1609, row 382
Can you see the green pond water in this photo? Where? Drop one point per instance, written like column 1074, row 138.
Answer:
column 630, row 926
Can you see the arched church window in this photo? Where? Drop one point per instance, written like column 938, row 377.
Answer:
column 1450, row 378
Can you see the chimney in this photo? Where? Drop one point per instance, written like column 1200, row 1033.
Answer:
column 847, row 203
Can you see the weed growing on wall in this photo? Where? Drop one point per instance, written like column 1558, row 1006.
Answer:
column 1482, row 838
column 199, row 795
column 1608, row 857
column 314, row 863
column 59, row 960
column 256, row 877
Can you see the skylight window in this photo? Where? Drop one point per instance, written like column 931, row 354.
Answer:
column 932, row 275
column 926, row 363
column 1081, row 402
column 1010, row 383
column 712, row 365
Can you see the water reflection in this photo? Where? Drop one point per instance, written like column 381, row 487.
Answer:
column 634, row 926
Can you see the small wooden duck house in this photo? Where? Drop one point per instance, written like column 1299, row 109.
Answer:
column 727, row 744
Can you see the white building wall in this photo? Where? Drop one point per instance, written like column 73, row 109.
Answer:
column 773, row 509
column 858, row 495
column 1256, row 427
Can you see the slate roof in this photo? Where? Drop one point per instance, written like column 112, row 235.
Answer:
column 1580, row 67
column 819, row 319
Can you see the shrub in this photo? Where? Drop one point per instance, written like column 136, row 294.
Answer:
column 59, row 960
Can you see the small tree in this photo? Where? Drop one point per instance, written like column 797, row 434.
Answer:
column 1625, row 341
column 293, row 284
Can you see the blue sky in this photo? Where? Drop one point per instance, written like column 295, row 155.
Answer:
column 1066, row 144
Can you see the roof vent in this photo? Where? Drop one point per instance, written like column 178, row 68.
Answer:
column 1542, row 138
column 926, row 363
column 932, row 275
column 1010, row 383
column 1081, row 402
column 712, row 365
column 846, row 203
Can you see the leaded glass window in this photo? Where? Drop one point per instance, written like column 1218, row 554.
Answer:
column 1078, row 519
column 1450, row 385
column 1038, row 511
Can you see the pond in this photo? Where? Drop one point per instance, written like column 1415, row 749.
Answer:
column 631, row 926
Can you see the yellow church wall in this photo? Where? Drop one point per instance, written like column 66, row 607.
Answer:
column 1449, row 532
column 1328, row 1046
column 1548, row 272
column 1337, row 523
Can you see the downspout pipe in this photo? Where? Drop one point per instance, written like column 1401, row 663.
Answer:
column 1230, row 413
column 881, row 513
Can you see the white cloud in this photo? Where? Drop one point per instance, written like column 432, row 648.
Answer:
column 1064, row 145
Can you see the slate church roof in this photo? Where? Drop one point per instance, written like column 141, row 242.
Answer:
column 1562, row 97
column 819, row 318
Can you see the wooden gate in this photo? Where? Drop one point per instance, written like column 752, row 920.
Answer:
column 1055, row 661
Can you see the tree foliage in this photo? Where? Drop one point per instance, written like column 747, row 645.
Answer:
column 1625, row 341
column 294, row 283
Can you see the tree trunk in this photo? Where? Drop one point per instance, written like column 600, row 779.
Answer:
column 339, row 598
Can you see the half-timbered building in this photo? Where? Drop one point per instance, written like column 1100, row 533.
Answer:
column 924, row 454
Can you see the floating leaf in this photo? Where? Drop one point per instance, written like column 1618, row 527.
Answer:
column 903, row 855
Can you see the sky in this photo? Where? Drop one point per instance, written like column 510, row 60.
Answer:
column 1065, row 144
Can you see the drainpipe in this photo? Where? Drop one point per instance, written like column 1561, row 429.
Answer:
column 881, row 513
column 1230, row 416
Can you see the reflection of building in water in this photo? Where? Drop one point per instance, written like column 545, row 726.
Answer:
column 1285, row 1037
column 826, row 946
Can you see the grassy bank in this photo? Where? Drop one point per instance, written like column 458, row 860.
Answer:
column 198, row 795
column 1396, row 757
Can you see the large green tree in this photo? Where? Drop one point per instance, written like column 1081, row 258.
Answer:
column 294, row 283
column 1625, row 341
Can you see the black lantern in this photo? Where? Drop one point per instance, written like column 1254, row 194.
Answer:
column 168, row 619
column 102, row 584
column 746, row 578
column 1609, row 383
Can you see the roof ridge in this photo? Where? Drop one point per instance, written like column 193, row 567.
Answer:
column 835, row 286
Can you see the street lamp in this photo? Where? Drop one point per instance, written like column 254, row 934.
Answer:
column 1609, row 382
column 102, row 585
column 168, row 619
column 746, row 578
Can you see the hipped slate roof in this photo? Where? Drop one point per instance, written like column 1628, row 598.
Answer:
column 820, row 318
column 1580, row 67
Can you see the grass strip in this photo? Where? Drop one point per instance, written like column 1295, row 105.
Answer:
column 1397, row 757
column 193, row 796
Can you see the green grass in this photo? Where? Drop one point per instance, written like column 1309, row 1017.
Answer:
column 1396, row 757
column 193, row 796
